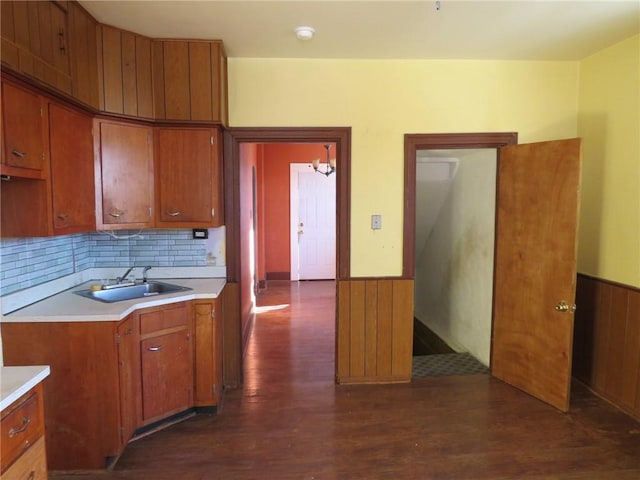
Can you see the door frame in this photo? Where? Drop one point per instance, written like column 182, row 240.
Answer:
column 234, row 337
column 436, row 141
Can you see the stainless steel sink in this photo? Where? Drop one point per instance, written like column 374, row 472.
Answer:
column 129, row 292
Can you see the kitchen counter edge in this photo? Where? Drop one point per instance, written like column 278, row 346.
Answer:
column 66, row 306
column 16, row 381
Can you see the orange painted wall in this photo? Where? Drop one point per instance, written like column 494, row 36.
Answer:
column 276, row 197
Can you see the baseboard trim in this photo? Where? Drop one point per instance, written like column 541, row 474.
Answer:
column 278, row 276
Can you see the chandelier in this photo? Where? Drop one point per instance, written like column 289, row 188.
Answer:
column 326, row 168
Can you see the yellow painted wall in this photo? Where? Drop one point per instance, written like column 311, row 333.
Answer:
column 381, row 100
column 609, row 122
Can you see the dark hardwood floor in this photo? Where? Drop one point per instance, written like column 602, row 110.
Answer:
column 290, row 421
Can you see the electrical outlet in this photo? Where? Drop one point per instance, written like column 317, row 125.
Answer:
column 376, row 222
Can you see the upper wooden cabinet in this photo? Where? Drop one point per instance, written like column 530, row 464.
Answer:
column 35, row 41
column 124, row 174
column 188, row 177
column 25, row 131
column 61, row 45
column 190, row 80
column 72, row 177
column 126, row 73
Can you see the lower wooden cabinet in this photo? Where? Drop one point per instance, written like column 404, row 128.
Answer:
column 167, row 361
column 109, row 379
column 22, row 438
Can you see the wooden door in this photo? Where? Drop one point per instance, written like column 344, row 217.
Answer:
column 187, row 177
column 535, row 267
column 167, row 375
column 126, row 175
column 129, row 377
column 72, row 176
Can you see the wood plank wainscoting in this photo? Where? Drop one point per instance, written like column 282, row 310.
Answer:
column 374, row 334
column 606, row 351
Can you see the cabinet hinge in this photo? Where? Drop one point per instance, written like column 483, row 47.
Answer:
column 211, row 138
column 122, row 434
column 117, row 339
column 213, row 212
column 213, row 388
column 213, row 312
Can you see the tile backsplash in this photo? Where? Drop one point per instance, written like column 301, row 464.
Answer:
column 27, row 262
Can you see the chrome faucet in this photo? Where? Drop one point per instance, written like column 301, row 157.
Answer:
column 144, row 273
column 124, row 277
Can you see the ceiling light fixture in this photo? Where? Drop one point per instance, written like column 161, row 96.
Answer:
column 329, row 167
column 304, row 33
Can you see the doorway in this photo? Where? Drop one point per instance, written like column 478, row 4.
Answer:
column 455, row 220
column 238, row 318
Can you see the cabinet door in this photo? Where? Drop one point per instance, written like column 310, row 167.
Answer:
column 177, row 97
column 126, row 168
column 24, row 132
column 188, row 177
column 167, row 375
column 83, row 31
column 208, row 353
column 72, row 176
column 129, row 377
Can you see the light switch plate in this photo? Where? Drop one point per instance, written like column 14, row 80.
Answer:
column 376, row 222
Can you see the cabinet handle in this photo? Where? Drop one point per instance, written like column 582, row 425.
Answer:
column 173, row 214
column 14, row 431
column 63, row 216
column 32, row 475
column 154, row 349
column 116, row 213
column 18, row 153
column 62, row 47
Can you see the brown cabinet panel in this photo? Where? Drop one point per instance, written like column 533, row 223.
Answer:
column 126, row 176
column 208, row 353
column 83, row 53
column 129, row 73
column 157, row 57
column 167, row 375
column 81, row 394
column 112, row 69
column 72, row 176
column 129, row 378
column 177, row 98
column 20, row 23
column 144, row 81
column 200, row 78
column 188, row 176
column 6, row 19
column 32, row 465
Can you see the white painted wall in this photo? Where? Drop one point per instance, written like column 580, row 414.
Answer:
column 454, row 270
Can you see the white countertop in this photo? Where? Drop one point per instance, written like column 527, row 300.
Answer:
column 16, row 381
column 67, row 306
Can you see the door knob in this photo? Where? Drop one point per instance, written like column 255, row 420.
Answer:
column 564, row 307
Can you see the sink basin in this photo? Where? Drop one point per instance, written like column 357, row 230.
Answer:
column 130, row 292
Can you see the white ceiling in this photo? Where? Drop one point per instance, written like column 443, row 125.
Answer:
column 512, row 30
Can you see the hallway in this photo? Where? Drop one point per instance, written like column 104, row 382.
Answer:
column 291, row 422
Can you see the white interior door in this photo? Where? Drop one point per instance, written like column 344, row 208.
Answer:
column 313, row 224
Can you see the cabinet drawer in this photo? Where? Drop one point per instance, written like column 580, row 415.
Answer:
column 21, row 427
column 32, row 465
column 163, row 319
